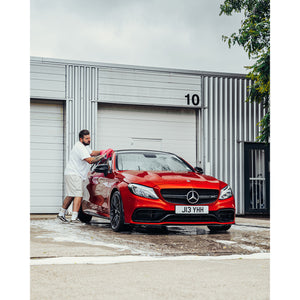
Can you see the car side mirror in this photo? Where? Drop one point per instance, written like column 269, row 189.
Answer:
column 198, row 170
column 102, row 169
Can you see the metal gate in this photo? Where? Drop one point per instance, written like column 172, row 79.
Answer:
column 257, row 178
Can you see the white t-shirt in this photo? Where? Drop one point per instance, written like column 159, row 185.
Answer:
column 76, row 164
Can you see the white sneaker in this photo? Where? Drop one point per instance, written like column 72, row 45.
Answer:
column 75, row 221
column 62, row 218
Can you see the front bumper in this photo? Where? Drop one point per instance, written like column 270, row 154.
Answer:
column 138, row 210
column 159, row 216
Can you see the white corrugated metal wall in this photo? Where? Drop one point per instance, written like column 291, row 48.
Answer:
column 81, row 103
column 224, row 121
column 47, row 123
column 228, row 122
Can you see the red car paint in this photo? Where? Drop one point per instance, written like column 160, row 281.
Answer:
column 156, row 211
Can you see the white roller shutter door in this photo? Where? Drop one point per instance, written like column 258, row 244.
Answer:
column 156, row 128
column 46, row 157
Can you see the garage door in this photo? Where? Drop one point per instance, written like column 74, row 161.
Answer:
column 136, row 127
column 46, row 157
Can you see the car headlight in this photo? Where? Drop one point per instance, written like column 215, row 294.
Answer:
column 226, row 193
column 142, row 191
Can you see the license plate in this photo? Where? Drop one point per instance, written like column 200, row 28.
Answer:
column 191, row 209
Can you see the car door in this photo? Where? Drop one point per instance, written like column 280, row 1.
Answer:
column 100, row 187
column 97, row 191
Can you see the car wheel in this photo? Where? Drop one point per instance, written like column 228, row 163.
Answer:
column 116, row 212
column 217, row 228
column 84, row 217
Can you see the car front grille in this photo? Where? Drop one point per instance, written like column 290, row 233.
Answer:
column 180, row 196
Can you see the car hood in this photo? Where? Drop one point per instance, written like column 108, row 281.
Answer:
column 171, row 179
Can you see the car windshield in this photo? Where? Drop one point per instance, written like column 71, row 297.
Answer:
column 151, row 161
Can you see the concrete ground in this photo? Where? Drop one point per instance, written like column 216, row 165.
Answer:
column 91, row 261
column 213, row 279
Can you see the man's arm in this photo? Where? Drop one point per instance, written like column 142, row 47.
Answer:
column 94, row 159
column 95, row 153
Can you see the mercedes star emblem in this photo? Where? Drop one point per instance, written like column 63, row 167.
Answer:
column 192, row 197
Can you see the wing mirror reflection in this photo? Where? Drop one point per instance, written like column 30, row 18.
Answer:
column 101, row 169
column 198, row 170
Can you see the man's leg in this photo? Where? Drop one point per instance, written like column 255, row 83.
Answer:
column 67, row 202
column 78, row 200
column 62, row 212
column 76, row 206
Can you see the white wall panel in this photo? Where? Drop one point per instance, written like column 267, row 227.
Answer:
column 46, row 157
column 47, row 80
column 146, row 87
column 124, row 127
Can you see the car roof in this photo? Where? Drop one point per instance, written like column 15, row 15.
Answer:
column 141, row 150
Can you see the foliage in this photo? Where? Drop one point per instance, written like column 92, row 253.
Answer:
column 254, row 37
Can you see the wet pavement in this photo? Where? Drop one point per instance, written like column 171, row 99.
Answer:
column 76, row 261
column 51, row 238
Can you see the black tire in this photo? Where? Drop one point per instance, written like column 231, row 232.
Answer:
column 217, row 228
column 84, row 217
column 116, row 212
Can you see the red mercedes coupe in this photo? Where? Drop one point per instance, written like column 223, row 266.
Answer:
column 145, row 187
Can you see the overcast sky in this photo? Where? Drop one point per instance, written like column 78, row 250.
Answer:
column 185, row 34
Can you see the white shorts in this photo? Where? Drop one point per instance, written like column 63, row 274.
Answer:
column 74, row 185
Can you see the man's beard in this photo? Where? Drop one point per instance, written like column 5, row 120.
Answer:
column 85, row 144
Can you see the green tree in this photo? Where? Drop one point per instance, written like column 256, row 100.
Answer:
column 254, row 37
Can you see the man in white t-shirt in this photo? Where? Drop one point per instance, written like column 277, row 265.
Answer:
column 76, row 172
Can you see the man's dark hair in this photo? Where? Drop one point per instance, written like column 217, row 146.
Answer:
column 83, row 132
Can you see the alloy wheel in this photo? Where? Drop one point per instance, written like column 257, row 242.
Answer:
column 116, row 212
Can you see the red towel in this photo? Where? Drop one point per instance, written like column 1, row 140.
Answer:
column 108, row 152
